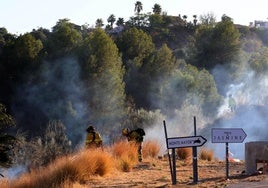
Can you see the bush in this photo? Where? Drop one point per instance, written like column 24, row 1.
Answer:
column 206, row 154
column 184, row 153
column 43, row 150
column 126, row 155
column 150, row 149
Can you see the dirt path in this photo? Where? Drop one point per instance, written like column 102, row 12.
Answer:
column 156, row 173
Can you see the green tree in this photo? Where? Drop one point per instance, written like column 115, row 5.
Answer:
column 157, row 71
column 21, row 57
column 111, row 20
column 195, row 19
column 138, row 7
column 27, row 47
column 120, row 22
column 259, row 61
column 6, row 140
column 157, row 9
column 65, row 38
column 163, row 63
column 103, row 72
column 208, row 19
column 216, row 45
column 135, row 45
column 99, row 23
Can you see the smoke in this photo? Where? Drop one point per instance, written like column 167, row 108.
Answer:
column 13, row 172
column 249, row 91
column 250, row 94
column 57, row 95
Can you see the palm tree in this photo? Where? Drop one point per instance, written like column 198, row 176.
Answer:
column 195, row 20
column 111, row 20
column 99, row 23
column 138, row 7
column 157, row 9
column 120, row 21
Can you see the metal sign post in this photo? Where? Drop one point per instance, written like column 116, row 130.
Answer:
column 227, row 135
column 227, row 160
column 195, row 170
column 173, row 177
column 182, row 142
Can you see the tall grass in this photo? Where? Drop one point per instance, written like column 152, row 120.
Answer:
column 184, row 153
column 150, row 148
column 206, row 154
column 79, row 168
column 125, row 154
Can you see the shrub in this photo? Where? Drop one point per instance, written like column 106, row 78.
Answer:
column 126, row 155
column 206, row 154
column 150, row 149
column 43, row 150
column 184, row 153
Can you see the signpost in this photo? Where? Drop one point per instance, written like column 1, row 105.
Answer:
column 227, row 135
column 183, row 142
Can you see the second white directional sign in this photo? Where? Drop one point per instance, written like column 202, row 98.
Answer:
column 182, row 142
column 230, row 135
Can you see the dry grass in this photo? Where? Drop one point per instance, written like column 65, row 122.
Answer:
column 79, row 168
column 150, row 148
column 125, row 154
column 184, row 153
column 206, row 154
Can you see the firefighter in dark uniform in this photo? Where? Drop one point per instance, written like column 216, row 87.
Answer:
column 136, row 137
column 93, row 138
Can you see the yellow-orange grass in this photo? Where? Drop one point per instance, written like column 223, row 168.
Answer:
column 206, row 154
column 52, row 176
column 65, row 170
column 184, row 153
column 150, row 148
column 93, row 162
column 126, row 154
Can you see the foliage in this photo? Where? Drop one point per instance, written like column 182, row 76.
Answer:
column 258, row 61
column 135, row 45
column 103, row 73
column 163, row 63
column 6, row 141
column 44, row 149
column 64, row 38
column 216, row 45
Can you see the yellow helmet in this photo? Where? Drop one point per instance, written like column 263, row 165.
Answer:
column 125, row 131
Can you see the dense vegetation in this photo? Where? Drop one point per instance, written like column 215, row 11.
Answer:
column 148, row 67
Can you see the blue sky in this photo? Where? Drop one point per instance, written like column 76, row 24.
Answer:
column 20, row 16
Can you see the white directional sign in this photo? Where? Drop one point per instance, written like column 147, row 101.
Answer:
column 228, row 135
column 182, row 142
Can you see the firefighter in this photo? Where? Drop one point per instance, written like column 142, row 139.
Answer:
column 136, row 137
column 232, row 103
column 93, row 138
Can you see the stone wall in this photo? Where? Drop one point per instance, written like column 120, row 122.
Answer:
column 255, row 151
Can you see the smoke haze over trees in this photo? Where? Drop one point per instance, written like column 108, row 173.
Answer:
column 151, row 67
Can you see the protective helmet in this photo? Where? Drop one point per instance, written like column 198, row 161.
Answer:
column 90, row 128
column 125, row 131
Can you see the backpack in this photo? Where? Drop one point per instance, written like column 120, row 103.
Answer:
column 140, row 131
